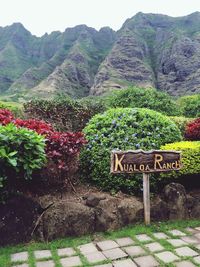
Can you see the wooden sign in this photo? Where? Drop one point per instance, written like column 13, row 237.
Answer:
column 146, row 162
column 139, row 161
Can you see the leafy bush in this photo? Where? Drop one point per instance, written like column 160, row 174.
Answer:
column 181, row 122
column 190, row 158
column 15, row 108
column 192, row 131
column 6, row 116
column 21, row 152
column 61, row 149
column 63, row 113
column 190, row 105
column 150, row 98
column 122, row 128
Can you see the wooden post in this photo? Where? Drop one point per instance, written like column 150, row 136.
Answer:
column 146, row 198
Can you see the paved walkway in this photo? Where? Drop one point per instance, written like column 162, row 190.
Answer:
column 172, row 248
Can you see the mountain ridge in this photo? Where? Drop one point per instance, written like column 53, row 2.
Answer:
column 150, row 50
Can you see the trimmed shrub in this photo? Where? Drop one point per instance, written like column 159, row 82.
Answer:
column 123, row 128
column 150, row 98
column 192, row 131
column 63, row 113
column 21, row 152
column 181, row 122
column 190, row 105
column 190, row 158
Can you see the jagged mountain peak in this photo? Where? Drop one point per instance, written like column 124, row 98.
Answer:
column 150, row 50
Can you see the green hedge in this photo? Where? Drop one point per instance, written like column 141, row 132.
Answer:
column 122, row 128
column 150, row 98
column 190, row 158
column 64, row 113
column 189, row 105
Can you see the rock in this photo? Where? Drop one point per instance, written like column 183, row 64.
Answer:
column 160, row 210
column 17, row 220
column 67, row 219
column 107, row 215
column 93, row 200
column 175, row 196
column 130, row 211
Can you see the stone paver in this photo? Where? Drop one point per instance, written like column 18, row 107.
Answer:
column 197, row 259
column 21, row 256
column 191, row 230
column 186, row 252
column 185, row 264
column 197, row 236
column 126, row 241
column 134, row 251
column 104, row 265
column 146, row 261
column 87, row 248
column 42, row 254
column 160, row 235
column 143, row 238
column 154, row 247
column 190, row 239
column 21, row 265
column 95, row 257
column 66, row 252
column 177, row 242
column 107, row 244
column 45, row 264
column 114, row 254
column 176, row 233
column 124, row 263
column 166, row 256
column 198, row 247
column 71, row 261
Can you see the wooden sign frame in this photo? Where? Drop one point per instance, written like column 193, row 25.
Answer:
column 146, row 162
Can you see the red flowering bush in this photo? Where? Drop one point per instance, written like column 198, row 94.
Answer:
column 40, row 127
column 61, row 149
column 6, row 116
column 192, row 131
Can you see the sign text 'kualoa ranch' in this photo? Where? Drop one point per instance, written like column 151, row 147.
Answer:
column 146, row 162
column 139, row 161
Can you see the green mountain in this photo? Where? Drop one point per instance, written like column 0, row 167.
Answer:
column 150, row 50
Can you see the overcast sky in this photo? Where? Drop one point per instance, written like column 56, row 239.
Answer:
column 40, row 16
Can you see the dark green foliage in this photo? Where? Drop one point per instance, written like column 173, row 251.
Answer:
column 190, row 105
column 64, row 113
column 123, row 128
column 21, row 152
column 150, row 98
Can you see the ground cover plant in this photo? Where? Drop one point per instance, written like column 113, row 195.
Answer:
column 123, row 129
